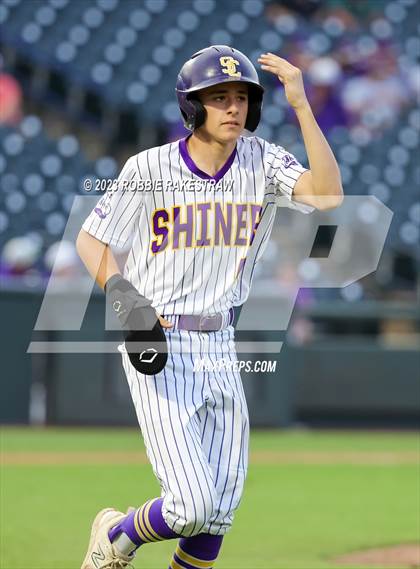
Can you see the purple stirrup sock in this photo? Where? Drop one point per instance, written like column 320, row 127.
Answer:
column 160, row 527
column 126, row 525
column 144, row 525
column 191, row 552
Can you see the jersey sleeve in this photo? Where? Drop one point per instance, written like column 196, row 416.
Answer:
column 113, row 219
column 282, row 172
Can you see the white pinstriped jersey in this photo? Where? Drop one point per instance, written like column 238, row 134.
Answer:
column 195, row 238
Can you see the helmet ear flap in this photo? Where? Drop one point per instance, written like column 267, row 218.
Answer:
column 199, row 115
column 254, row 108
column 254, row 115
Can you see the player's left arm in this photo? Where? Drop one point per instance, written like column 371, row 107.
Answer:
column 320, row 186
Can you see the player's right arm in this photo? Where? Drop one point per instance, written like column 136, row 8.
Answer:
column 97, row 258
column 112, row 222
column 100, row 262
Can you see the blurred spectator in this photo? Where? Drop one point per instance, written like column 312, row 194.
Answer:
column 62, row 259
column 324, row 75
column 10, row 98
column 376, row 98
column 360, row 10
column 399, row 333
column 303, row 7
column 412, row 75
column 20, row 255
column 338, row 16
column 287, row 283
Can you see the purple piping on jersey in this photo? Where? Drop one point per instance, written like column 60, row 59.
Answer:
column 192, row 166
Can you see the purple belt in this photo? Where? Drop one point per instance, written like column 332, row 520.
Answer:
column 205, row 322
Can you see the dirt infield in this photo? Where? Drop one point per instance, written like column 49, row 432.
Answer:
column 407, row 555
column 51, row 458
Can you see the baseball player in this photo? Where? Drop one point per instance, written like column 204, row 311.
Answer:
column 199, row 212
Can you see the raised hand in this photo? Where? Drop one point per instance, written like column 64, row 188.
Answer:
column 289, row 75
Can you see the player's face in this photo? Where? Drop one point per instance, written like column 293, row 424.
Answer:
column 227, row 109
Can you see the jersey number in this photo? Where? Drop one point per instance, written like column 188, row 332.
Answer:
column 229, row 66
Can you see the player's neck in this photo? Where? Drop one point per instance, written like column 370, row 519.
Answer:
column 209, row 154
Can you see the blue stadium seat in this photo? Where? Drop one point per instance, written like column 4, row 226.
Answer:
column 39, row 178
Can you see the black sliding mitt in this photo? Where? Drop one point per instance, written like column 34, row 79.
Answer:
column 145, row 340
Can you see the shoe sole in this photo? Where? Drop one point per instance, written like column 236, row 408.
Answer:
column 95, row 525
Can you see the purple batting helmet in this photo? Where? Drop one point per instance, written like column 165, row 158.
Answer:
column 211, row 66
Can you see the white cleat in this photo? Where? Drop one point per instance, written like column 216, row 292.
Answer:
column 101, row 553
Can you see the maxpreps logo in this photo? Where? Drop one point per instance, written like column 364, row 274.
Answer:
column 103, row 207
column 288, row 160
